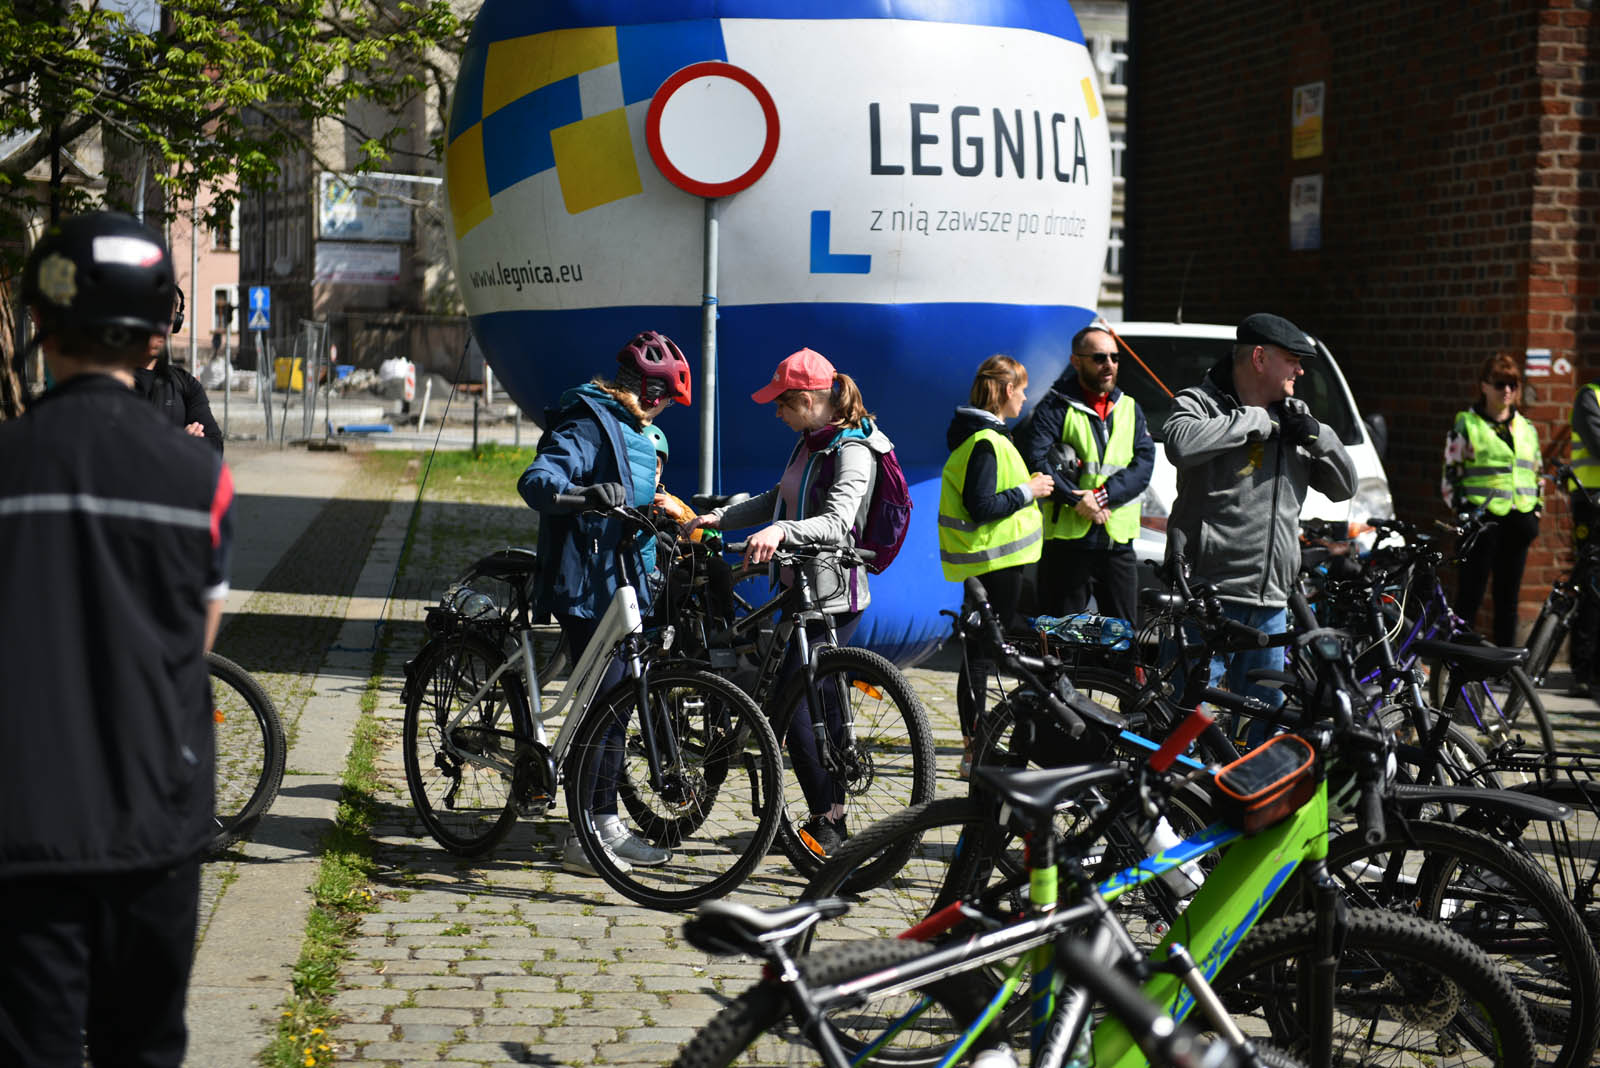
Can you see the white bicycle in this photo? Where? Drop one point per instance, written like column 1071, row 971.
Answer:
column 685, row 758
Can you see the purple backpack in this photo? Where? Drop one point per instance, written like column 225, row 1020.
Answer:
column 888, row 513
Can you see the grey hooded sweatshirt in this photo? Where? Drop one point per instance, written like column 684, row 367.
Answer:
column 1240, row 489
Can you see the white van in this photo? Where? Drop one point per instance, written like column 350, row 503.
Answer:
column 1180, row 354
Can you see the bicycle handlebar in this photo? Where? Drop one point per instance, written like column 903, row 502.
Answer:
column 1020, row 665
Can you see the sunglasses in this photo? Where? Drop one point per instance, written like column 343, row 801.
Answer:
column 1101, row 357
column 1505, row 383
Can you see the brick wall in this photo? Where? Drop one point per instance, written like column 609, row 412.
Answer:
column 1459, row 194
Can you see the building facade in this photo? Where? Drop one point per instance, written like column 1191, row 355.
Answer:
column 1105, row 33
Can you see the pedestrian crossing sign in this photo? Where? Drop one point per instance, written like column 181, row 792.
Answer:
column 260, row 308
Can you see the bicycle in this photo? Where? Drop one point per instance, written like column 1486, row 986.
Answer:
column 881, row 749
column 699, row 766
column 251, row 750
column 1434, row 991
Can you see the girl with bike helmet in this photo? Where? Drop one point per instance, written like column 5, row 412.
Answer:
column 598, row 447
column 821, row 499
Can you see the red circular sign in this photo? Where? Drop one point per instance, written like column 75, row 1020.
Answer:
column 703, row 145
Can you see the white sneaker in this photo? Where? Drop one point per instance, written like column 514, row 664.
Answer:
column 575, row 860
column 628, row 846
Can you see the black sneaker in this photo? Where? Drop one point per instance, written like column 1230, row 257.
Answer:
column 1580, row 689
column 823, row 836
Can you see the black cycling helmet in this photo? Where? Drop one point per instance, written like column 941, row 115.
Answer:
column 103, row 274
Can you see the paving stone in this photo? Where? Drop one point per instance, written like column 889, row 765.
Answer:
column 433, row 1014
column 455, row 999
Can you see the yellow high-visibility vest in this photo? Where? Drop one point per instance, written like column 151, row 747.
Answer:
column 969, row 548
column 1062, row 519
column 1500, row 477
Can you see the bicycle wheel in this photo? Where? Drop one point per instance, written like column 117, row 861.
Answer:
column 251, row 750
column 888, row 766
column 758, row 1020
column 1405, row 992
column 716, row 808
column 1501, row 902
column 1544, row 642
column 1569, row 850
column 940, row 829
column 1504, row 709
column 466, row 807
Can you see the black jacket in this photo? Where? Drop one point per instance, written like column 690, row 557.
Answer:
column 1044, row 430
column 978, row 489
column 180, row 398
column 113, row 537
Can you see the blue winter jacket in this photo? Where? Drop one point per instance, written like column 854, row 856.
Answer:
column 587, row 444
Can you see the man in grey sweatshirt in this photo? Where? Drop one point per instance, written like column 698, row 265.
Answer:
column 1246, row 450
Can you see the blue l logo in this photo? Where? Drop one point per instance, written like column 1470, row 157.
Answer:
column 825, row 262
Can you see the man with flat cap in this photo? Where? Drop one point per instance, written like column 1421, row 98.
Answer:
column 1246, row 449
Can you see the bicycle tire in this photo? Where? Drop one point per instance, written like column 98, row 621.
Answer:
column 466, row 808
column 1403, row 986
column 890, row 766
column 715, row 832
column 1461, row 759
column 1544, row 642
column 1570, row 849
column 251, row 750
column 939, row 829
column 1499, row 900
column 1521, row 708
column 764, row 1008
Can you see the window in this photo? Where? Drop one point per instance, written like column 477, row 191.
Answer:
column 222, row 299
column 1119, row 145
column 1111, row 59
column 226, row 236
column 1114, row 251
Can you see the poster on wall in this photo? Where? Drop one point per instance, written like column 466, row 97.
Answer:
column 1305, row 213
column 357, row 264
column 365, row 207
column 1306, row 121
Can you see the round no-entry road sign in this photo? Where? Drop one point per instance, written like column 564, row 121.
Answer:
column 712, row 129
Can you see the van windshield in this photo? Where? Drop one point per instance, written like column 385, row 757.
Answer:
column 1182, row 362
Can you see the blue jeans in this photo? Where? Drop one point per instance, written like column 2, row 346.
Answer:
column 1228, row 670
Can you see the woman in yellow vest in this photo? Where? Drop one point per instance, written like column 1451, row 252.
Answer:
column 1491, row 461
column 989, row 525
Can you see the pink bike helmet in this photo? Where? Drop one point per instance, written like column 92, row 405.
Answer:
column 659, row 366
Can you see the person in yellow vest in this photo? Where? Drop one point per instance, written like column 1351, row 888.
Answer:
column 989, row 525
column 1491, row 461
column 1585, row 526
column 1092, row 438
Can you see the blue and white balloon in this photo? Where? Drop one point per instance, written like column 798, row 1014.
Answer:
column 941, row 192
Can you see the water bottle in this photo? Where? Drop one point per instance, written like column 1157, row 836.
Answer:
column 1086, row 628
column 1186, row 878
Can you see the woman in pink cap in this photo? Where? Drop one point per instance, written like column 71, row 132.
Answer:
column 822, row 499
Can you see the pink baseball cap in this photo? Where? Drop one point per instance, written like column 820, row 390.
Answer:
column 799, row 370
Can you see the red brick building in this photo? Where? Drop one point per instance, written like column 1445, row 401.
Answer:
column 1459, row 186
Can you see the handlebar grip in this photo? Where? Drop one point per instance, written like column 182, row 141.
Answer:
column 733, row 547
column 1245, row 634
column 571, row 500
column 1304, row 617
column 1369, row 816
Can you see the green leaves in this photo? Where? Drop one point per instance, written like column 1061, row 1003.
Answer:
column 223, row 89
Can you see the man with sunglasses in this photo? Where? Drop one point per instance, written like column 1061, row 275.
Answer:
column 1246, row 450
column 1091, row 438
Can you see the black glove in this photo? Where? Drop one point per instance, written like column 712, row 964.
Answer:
column 1295, row 422
column 602, row 495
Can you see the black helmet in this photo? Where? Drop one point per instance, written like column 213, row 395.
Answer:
column 105, row 274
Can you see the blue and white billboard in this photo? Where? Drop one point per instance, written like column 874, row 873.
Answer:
column 941, row 192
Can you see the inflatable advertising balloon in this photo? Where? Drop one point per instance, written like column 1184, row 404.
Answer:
column 906, row 186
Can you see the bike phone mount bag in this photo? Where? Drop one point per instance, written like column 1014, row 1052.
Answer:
column 1267, row 783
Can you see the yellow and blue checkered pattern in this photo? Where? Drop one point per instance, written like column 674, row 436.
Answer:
column 556, row 99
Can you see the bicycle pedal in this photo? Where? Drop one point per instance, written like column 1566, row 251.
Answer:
column 532, row 808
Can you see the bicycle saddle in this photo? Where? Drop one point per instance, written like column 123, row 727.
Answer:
column 1481, row 661
column 727, row 927
column 1037, row 791
column 509, row 563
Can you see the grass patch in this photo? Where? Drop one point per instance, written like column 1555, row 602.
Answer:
column 341, row 893
column 488, row 475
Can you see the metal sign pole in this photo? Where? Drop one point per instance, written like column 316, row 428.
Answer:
column 708, row 353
